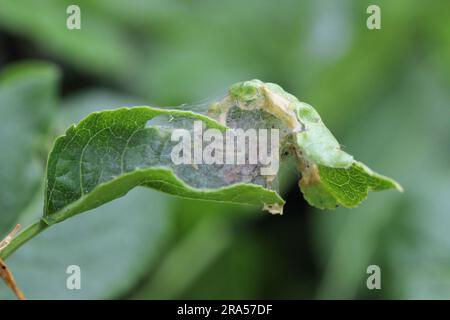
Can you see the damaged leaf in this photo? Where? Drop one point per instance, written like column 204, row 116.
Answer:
column 110, row 152
column 329, row 176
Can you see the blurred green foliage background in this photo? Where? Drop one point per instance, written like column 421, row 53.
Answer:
column 384, row 94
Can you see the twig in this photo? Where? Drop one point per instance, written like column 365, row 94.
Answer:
column 5, row 273
column 5, row 242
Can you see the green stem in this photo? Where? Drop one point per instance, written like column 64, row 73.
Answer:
column 26, row 235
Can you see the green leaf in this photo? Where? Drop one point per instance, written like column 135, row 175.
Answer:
column 330, row 176
column 316, row 142
column 327, row 188
column 110, row 152
column 27, row 102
